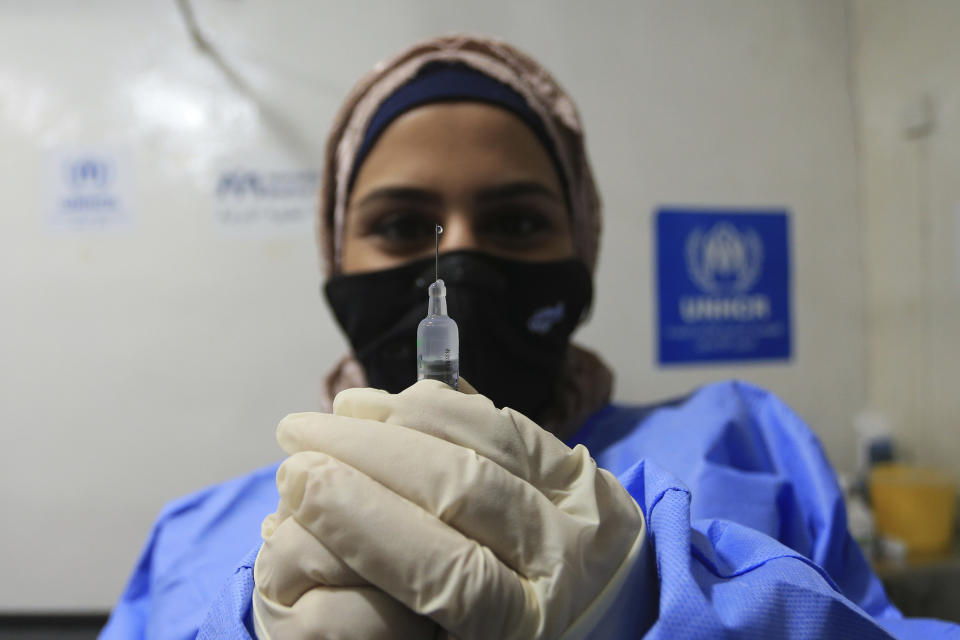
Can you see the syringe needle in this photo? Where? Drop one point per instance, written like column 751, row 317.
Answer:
column 436, row 233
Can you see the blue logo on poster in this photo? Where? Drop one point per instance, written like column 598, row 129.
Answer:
column 89, row 172
column 723, row 285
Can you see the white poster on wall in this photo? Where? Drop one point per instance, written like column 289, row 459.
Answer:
column 91, row 189
column 264, row 198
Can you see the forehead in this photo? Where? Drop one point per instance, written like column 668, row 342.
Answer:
column 456, row 141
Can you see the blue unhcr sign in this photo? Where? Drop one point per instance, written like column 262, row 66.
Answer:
column 723, row 284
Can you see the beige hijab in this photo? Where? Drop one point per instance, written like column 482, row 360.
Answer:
column 586, row 382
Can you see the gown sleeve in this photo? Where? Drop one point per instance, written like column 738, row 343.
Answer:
column 231, row 615
column 228, row 616
column 194, row 577
column 129, row 616
column 746, row 521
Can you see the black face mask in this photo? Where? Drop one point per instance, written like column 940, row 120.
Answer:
column 515, row 319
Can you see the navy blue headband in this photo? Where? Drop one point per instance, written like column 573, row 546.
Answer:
column 442, row 82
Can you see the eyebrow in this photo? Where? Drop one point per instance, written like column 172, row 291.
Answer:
column 407, row 194
column 420, row 195
column 516, row 190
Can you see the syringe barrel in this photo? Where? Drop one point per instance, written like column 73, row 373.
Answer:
column 438, row 341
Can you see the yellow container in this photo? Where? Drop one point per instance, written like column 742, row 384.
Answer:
column 914, row 504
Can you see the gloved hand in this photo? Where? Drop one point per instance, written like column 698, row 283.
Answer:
column 473, row 517
column 304, row 591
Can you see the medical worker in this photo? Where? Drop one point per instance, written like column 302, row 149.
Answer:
column 417, row 511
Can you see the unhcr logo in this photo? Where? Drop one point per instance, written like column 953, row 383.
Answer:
column 724, row 260
column 724, row 263
column 88, row 186
column 88, row 172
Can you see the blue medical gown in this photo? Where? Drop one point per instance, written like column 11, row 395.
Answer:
column 744, row 517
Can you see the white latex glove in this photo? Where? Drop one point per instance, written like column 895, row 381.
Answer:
column 474, row 517
column 303, row 591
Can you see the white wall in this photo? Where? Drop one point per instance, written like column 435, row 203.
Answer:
column 141, row 364
column 908, row 54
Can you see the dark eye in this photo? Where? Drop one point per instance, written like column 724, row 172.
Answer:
column 404, row 227
column 516, row 224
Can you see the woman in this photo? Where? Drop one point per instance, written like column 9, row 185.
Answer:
column 424, row 511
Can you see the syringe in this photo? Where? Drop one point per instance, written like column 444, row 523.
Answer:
column 438, row 341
